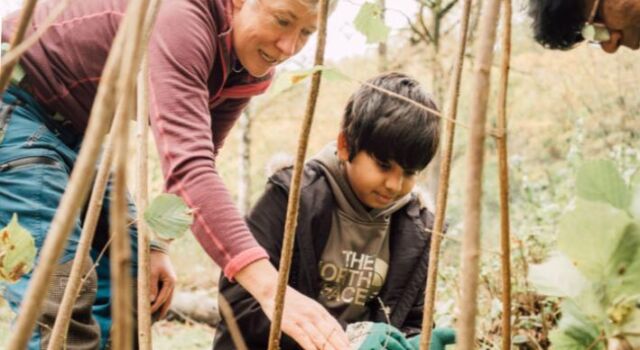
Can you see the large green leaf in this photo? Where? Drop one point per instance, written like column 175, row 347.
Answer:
column 369, row 22
column 590, row 234
column 575, row 331
column 557, row 277
column 168, row 216
column 600, row 181
column 623, row 269
column 17, row 251
column 634, row 207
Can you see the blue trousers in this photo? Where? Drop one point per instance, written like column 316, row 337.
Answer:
column 37, row 154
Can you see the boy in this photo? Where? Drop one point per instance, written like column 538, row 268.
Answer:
column 362, row 241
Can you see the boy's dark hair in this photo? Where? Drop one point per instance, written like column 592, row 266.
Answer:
column 557, row 24
column 389, row 128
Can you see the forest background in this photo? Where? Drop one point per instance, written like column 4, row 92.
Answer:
column 563, row 108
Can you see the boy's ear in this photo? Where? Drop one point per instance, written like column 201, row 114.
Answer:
column 343, row 148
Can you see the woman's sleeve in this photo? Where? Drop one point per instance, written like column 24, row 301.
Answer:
column 182, row 52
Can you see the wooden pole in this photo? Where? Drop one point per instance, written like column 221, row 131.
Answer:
column 443, row 188
column 142, row 200
column 122, row 287
column 25, row 17
column 294, row 194
column 505, row 235
column 475, row 151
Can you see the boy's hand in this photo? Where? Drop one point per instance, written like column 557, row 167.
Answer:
column 440, row 338
column 376, row 336
column 162, row 283
column 304, row 320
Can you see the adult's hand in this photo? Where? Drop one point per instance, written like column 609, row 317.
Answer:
column 303, row 319
column 162, row 283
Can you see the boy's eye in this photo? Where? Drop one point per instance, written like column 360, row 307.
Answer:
column 383, row 165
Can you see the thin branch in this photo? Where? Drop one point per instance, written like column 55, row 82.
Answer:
column 234, row 330
column 11, row 58
column 294, row 194
column 18, row 36
column 447, row 8
column 475, row 150
column 505, row 233
column 445, row 170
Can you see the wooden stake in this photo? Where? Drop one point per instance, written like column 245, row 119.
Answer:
column 121, row 286
column 144, row 305
column 142, row 200
column 445, row 170
column 25, row 17
column 294, row 194
column 505, row 235
column 475, row 151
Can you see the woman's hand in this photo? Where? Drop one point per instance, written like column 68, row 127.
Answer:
column 303, row 319
column 162, row 283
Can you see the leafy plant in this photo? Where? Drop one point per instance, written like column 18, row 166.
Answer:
column 369, row 22
column 597, row 266
column 17, row 251
column 168, row 216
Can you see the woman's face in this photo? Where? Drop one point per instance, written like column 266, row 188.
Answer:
column 267, row 32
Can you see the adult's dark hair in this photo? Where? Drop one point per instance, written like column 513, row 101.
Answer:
column 391, row 129
column 557, row 23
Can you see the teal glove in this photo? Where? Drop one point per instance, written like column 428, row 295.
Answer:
column 376, row 336
column 440, row 337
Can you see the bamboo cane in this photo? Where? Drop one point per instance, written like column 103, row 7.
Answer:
column 142, row 200
column 144, row 305
column 18, row 36
column 294, row 194
column 475, row 150
column 74, row 284
column 72, row 200
column 445, row 170
column 121, row 286
column 504, row 176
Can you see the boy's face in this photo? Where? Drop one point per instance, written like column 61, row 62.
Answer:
column 376, row 184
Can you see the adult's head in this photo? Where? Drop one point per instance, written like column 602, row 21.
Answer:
column 385, row 141
column 558, row 23
column 267, row 32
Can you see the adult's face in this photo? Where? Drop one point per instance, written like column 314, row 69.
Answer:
column 267, row 32
column 622, row 18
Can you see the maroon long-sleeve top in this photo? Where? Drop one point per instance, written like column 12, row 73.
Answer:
column 198, row 91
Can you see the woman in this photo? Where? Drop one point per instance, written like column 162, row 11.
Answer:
column 207, row 58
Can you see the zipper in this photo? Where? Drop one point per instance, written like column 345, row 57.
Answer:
column 22, row 162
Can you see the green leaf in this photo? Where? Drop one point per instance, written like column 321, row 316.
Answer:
column 369, row 22
column 623, row 269
column 575, row 331
column 17, row 251
column 600, row 181
column 168, row 216
column 557, row 277
column 590, row 234
column 634, row 207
